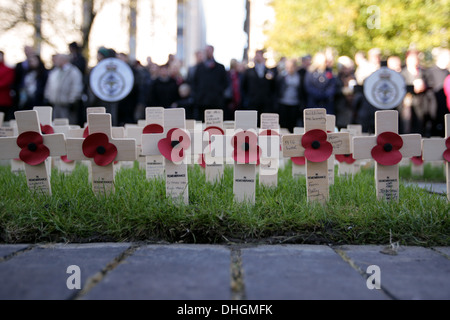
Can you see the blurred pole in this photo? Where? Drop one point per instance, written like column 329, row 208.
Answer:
column 247, row 29
column 132, row 43
column 37, row 13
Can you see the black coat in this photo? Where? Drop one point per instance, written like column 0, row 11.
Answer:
column 209, row 85
column 259, row 93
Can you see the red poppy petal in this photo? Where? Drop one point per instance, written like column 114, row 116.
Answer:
column 447, row 143
column 214, row 130
column 319, row 155
column 417, row 160
column 240, row 155
column 386, row 158
column 299, row 160
column 390, row 137
column 269, row 132
column 47, row 129
column 313, row 135
column 86, row 132
column 347, row 158
column 447, row 155
column 153, row 128
column 64, row 159
column 107, row 157
column 165, row 148
column 34, row 157
column 201, row 160
column 92, row 142
column 25, row 138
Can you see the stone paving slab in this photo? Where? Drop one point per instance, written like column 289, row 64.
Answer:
column 444, row 250
column 414, row 273
column 169, row 272
column 41, row 273
column 7, row 249
column 430, row 186
column 293, row 272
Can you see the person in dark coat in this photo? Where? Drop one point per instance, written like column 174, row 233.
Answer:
column 435, row 79
column 209, row 84
column 320, row 84
column 31, row 91
column 419, row 104
column 289, row 95
column 164, row 90
column 259, row 85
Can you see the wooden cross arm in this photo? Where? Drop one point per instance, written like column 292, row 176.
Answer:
column 126, row 149
column 340, row 142
column 362, row 146
column 150, row 144
column 56, row 144
column 291, row 145
column 9, row 148
column 433, row 149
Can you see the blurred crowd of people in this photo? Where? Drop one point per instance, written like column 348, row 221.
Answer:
column 321, row 80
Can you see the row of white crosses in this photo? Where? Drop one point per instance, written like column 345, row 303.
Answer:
column 101, row 148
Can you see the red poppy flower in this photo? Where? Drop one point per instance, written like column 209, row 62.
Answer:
column 47, row 129
column 64, row 159
column 386, row 152
column 300, row 161
column 33, row 151
column 317, row 148
column 446, row 154
column 418, row 161
column 97, row 146
column 172, row 147
column 246, row 149
column 153, row 128
column 212, row 130
column 347, row 158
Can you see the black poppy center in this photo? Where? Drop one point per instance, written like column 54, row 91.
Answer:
column 32, row 147
column 101, row 150
column 315, row 144
column 174, row 143
column 245, row 146
column 387, row 147
column 347, row 155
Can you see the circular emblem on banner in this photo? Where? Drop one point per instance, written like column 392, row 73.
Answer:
column 111, row 80
column 385, row 88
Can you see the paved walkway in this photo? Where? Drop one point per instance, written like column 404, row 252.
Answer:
column 221, row 272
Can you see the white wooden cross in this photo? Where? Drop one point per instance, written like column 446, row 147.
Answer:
column 5, row 131
column 45, row 115
column 153, row 132
column 331, row 125
column 269, row 141
column 239, row 147
column 176, row 172
column 298, row 163
column 317, row 146
column 174, row 146
column 213, row 126
column 387, row 148
column 102, row 150
column 63, row 164
column 32, row 147
column 17, row 165
column 347, row 165
column 438, row 149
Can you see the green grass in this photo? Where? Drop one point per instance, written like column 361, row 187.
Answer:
column 140, row 211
